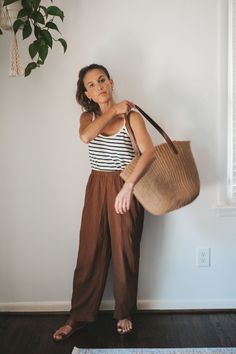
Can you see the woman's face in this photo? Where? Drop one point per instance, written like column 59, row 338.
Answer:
column 97, row 85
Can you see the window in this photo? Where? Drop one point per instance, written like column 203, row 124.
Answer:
column 231, row 173
column 228, row 196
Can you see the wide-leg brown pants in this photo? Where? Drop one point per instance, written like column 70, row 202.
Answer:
column 106, row 235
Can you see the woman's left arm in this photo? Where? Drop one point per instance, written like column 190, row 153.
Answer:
column 145, row 144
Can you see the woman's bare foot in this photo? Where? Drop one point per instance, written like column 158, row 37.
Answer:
column 67, row 330
column 124, row 325
column 62, row 332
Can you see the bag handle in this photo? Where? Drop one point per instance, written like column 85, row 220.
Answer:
column 131, row 135
column 161, row 131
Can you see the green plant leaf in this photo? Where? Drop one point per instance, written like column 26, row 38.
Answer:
column 17, row 24
column 29, row 67
column 27, row 30
column 23, row 13
column 8, row 2
column 63, row 42
column 55, row 11
column 44, row 9
column 41, row 41
column 38, row 42
column 31, row 10
column 43, row 52
column 37, row 30
column 39, row 61
column 38, row 17
column 33, row 49
column 36, row 4
column 27, row 4
column 47, row 36
column 52, row 25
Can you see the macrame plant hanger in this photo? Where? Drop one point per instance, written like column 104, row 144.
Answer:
column 6, row 21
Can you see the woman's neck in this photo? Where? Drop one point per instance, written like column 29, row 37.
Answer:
column 104, row 107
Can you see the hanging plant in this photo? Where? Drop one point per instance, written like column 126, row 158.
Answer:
column 34, row 20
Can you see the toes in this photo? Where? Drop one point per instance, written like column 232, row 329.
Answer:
column 62, row 332
column 58, row 335
column 124, row 326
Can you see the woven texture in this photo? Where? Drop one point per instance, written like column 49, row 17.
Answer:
column 171, row 182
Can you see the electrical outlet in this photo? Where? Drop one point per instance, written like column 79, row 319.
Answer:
column 203, row 257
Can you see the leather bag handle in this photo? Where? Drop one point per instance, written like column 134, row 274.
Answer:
column 161, row 131
column 131, row 135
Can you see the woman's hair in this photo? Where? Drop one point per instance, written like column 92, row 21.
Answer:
column 81, row 98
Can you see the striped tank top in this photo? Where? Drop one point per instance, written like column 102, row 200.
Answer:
column 112, row 152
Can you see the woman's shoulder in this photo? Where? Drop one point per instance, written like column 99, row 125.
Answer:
column 86, row 115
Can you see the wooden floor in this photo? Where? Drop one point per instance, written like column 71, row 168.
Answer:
column 31, row 333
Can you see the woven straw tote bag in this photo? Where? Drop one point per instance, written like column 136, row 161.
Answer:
column 172, row 180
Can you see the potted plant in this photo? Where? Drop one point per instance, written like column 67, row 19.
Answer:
column 34, row 20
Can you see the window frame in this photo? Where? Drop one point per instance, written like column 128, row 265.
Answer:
column 228, row 207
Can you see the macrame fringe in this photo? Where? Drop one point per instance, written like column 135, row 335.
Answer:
column 15, row 68
column 6, row 16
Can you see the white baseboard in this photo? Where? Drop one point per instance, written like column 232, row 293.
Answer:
column 54, row 306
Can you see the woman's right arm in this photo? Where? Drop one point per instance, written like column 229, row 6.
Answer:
column 89, row 128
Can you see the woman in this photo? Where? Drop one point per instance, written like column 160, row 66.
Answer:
column 112, row 218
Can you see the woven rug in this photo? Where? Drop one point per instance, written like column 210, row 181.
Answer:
column 155, row 351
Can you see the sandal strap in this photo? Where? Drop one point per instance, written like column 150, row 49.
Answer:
column 125, row 318
column 73, row 324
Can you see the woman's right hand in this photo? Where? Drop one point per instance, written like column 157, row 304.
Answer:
column 123, row 107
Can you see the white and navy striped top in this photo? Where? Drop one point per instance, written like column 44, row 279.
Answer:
column 112, row 152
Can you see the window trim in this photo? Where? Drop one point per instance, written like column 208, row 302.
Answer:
column 228, row 208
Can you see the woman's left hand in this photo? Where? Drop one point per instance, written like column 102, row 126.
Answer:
column 123, row 198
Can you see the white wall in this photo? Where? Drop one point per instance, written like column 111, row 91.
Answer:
column 169, row 57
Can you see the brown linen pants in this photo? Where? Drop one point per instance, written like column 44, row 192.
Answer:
column 106, row 235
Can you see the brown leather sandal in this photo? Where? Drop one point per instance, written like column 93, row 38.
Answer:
column 75, row 326
column 120, row 329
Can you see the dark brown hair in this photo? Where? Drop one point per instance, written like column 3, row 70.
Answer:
column 81, row 98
